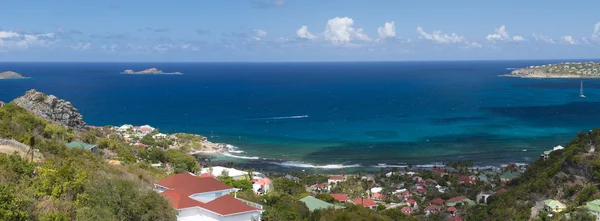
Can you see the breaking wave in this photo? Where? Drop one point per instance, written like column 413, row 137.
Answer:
column 239, row 157
column 308, row 165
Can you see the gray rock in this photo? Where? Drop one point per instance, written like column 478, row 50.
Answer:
column 51, row 108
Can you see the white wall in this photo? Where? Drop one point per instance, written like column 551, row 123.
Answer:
column 239, row 217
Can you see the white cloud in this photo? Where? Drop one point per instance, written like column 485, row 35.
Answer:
column 81, row 46
column 443, row 38
column 518, row 38
column 596, row 33
column 387, row 30
column 24, row 40
column 341, row 31
column 260, row 33
column 569, row 39
column 543, row 38
column 279, row 3
column 501, row 34
column 304, row 33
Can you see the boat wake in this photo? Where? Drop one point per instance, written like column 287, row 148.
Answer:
column 282, row 118
column 228, row 154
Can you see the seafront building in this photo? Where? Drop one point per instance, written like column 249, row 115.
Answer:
column 206, row 198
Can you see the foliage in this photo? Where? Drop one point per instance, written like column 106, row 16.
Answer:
column 286, row 186
column 325, row 197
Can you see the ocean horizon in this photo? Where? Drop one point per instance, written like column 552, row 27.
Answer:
column 331, row 115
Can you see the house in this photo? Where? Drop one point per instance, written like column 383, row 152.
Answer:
column 437, row 201
column 90, row 147
column 125, row 128
column 455, row 218
column 483, row 196
column 261, row 185
column 340, row 197
column 451, row 210
column 379, row 196
column 146, row 129
column 546, row 154
column 432, row 209
column 439, row 171
column 197, row 198
column 315, row 204
column 376, row 189
column 459, row 199
column 508, row 176
column 335, row 179
column 594, row 208
column 407, row 210
column 233, row 173
column 321, row 187
column 412, row 203
column 483, row 178
column 159, row 136
column 501, row 191
column 554, row 206
column 157, row 165
column 366, row 202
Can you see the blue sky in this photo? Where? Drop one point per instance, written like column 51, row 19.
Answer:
column 297, row 30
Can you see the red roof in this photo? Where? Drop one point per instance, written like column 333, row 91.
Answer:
column 263, row 181
column 320, row 185
column 339, row 197
column 432, row 208
column 438, row 170
column 336, row 177
column 191, row 184
column 364, row 202
column 405, row 193
column 502, row 190
column 455, row 218
column 456, row 199
column 411, row 201
column 379, row 196
column 438, row 201
column 407, row 209
column 182, row 185
column 207, row 175
column 451, row 209
column 227, row 205
column 421, row 190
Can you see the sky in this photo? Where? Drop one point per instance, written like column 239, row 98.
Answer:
column 297, row 30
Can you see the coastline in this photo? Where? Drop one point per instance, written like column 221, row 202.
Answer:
column 549, row 76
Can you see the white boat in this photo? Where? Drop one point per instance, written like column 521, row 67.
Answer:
column 581, row 91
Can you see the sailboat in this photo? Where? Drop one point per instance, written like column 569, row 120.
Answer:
column 581, row 91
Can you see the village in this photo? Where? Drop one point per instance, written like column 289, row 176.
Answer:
column 445, row 191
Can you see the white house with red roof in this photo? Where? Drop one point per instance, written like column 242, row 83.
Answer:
column 335, row 179
column 366, row 202
column 261, row 185
column 205, row 198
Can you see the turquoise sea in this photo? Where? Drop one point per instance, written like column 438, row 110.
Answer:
column 332, row 115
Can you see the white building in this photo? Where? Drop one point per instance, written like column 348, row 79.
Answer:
column 218, row 171
column 335, row 179
column 206, row 198
column 159, row 136
column 125, row 128
column 261, row 185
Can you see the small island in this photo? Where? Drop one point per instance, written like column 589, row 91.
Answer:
column 10, row 75
column 561, row 70
column 149, row 71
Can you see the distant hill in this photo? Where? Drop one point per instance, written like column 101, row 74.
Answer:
column 561, row 70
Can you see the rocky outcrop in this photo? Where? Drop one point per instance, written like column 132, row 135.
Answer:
column 51, row 108
column 149, row 71
column 10, row 75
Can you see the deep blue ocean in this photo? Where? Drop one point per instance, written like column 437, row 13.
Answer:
column 329, row 114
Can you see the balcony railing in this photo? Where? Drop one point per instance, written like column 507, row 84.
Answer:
column 255, row 205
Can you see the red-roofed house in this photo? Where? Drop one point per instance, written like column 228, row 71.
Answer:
column 421, row 190
column 205, row 198
column 412, row 203
column 342, row 198
column 262, row 185
column 452, row 210
column 432, row 209
column 439, row 171
column 501, row 190
column 455, row 218
column 335, row 179
column 207, row 175
column 366, row 202
column 407, row 210
column 379, row 196
column 437, row 201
